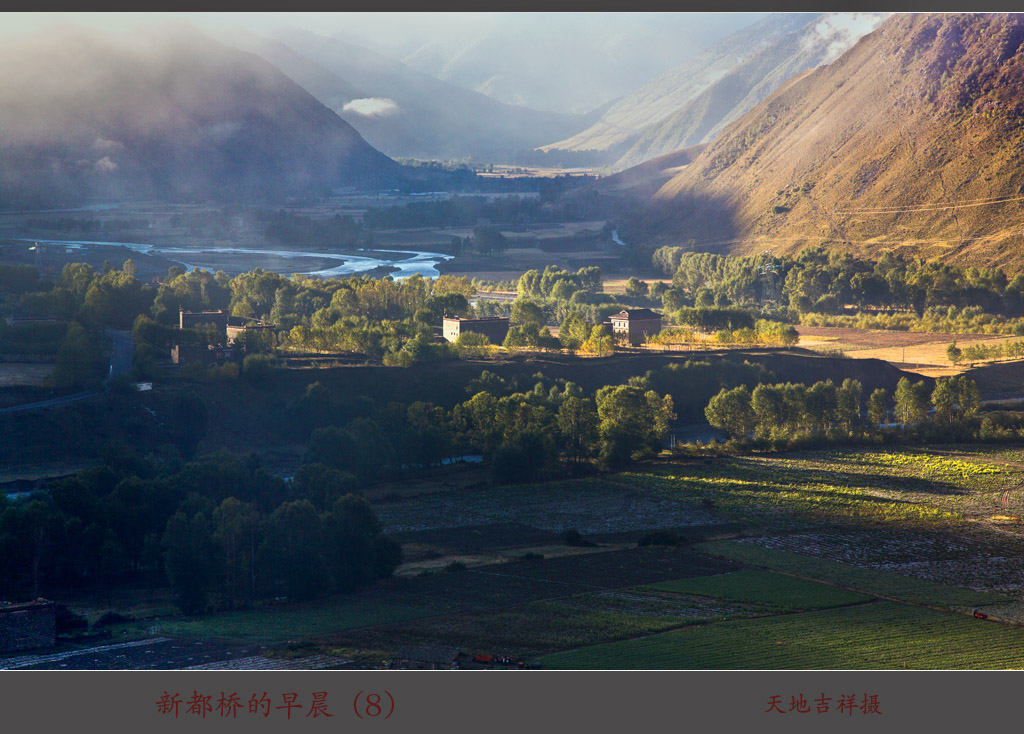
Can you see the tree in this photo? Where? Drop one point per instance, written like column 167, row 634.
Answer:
column 849, row 400
column 600, row 341
column 731, row 411
column 525, row 311
column 878, row 407
column 76, row 358
column 292, row 552
column 489, row 240
column 636, row 288
column 821, row 404
column 633, row 422
column 236, row 534
column 573, row 331
column 954, row 354
column 188, row 554
column 768, row 404
column 577, row 423
column 911, row 401
column 955, row 398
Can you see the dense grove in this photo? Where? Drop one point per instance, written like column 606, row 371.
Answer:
column 784, row 413
column 820, row 288
column 216, row 529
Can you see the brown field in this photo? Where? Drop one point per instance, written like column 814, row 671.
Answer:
column 618, row 285
column 922, row 353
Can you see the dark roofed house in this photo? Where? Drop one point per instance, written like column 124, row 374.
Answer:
column 29, row 625
column 636, row 324
column 429, row 657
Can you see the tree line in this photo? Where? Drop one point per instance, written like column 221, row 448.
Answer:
column 780, row 412
column 216, row 529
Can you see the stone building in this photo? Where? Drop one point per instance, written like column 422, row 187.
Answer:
column 495, row 328
column 194, row 319
column 636, row 324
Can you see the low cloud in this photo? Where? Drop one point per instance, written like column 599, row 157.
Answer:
column 372, row 107
column 104, row 165
column 840, row 31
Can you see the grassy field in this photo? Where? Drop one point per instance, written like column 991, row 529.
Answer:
column 294, row 621
column 880, row 635
column 784, row 593
column 905, row 588
column 911, row 487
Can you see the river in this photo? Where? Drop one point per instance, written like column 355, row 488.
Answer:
column 408, row 262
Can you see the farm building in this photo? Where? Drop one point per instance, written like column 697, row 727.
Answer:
column 28, row 625
column 190, row 353
column 430, row 657
column 636, row 324
column 495, row 329
column 193, row 319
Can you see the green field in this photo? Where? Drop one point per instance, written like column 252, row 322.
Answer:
column 880, row 635
column 905, row 588
column 910, row 487
column 764, row 587
column 290, row 622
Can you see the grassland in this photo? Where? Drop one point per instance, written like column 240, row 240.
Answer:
column 294, row 621
column 833, row 558
column 895, row 586
column 784, row 593
column 881, row 635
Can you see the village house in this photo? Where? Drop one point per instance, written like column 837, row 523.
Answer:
column 495, row 328
column 193, row 319
column 636, row 324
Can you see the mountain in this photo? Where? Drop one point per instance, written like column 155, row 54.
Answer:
column 566, row 62
column 690, row 104
column 164, row 113
column 703, row 117
column 911, row 141
column 404, row 112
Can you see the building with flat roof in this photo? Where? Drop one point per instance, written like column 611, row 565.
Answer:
column 192, row 319
column 495, row 328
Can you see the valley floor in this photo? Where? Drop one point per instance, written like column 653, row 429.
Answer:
column 846, row 558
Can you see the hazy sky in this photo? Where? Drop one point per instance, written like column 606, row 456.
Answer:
column 379, row 26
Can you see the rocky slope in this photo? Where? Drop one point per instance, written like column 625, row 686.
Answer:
column 910, row 141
